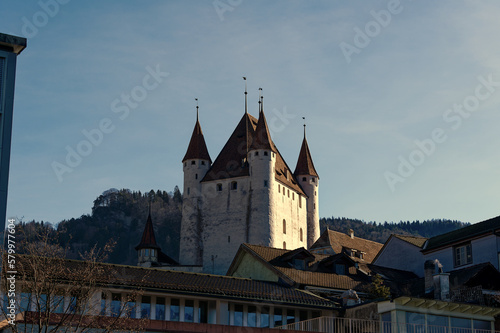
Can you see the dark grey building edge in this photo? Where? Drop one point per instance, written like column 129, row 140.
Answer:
column 10, row 47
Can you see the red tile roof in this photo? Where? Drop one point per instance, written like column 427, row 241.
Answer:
column 337, row 241
column 148, row 239
column 305, row 165
column 197, row 148
column 414, row 240
column 261, row 137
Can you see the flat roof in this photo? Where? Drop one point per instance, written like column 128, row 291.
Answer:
column 15, row 43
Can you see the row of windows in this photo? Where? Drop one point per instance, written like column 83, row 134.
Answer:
column 193, row 162
column 253, row 316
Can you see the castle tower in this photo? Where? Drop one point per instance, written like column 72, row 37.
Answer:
column 309, row 180
column 196, row 163
column 148, row 250
column 261, row 159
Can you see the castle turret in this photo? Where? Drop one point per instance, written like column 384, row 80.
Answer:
column 196, row 163
column 148, row 250
column 309, row 180
column 261, row 159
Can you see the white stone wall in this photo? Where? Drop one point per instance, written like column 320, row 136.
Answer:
column 191, row 247
column 399, row 254
column 311, row 187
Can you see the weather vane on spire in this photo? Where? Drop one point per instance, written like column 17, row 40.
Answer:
column 304, row 118
column 260, row 99
column 196, row 99
column 246, row 105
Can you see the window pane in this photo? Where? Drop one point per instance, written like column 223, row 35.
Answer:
column 25, row 302
column 146, row 307
column 238, row 315
column 415, row 322
column 160, row 308
column 252, row 316
column 290, row 316
column 278, row 317
column 189, row 311
column 115, row 304
column 264, row 317
column 482, row 325
column 57, row 304
column 174, row 309
column 203, row 311
column 460, row 325
column 437, row 324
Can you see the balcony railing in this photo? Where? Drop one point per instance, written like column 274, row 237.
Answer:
column 348, row 325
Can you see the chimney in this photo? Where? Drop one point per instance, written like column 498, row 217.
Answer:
column 441, row 283
column 429, row 270
column 351, row 232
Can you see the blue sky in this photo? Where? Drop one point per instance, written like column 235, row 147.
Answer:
column 401, row 99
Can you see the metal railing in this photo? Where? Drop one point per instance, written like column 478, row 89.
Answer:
column 350, row 325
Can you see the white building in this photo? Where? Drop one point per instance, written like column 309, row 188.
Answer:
column 248, row 194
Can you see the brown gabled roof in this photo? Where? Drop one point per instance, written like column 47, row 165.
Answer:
column 284, row 175
column 413, row 240
column 463, row 234
column 177, row 282
column 337, row 241
column 261, row 137
column 197, row 148
column 231, row 160
column 148, row 239
column 305, row 165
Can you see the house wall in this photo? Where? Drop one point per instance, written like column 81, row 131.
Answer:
column 402, row 255
column 251, row 268
column 484, row 249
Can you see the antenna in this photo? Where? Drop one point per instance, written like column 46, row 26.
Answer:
column 246, row 105
column 197, row 107
column 260, row 99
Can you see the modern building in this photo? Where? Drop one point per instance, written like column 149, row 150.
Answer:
column 10, row 48
column 249, row 194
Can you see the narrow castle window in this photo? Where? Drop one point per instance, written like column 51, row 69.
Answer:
column 265, row 183
column 288, row 193
column 193, row 162
column 229, row 239
column 301, row 235
column 300, row 201
column 304, row 179
column 234, row 185
column 293, row 195
column 202, row 162
column 219, row 187
column 279, row 188
column 265, row 153
column 188, row 191
column 196, row 176
column 313, row 179
column 284, row 245
column 284, row 226
column 256, row 153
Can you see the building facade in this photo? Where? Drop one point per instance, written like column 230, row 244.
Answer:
column 248, row 194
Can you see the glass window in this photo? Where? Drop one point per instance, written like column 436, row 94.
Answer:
column 463, row 254
column 219, row 187
column 265, row 153
column 238, row 315
column 415, row 322
column 278, row 317
column 437, row 324
column 460, row 325
column 160, row 308
column 340, row 269
column 234, row 186
column 482, row 325
column 264, row 316
column 130, row 309
column 57, row 304
column 189, row 311
column 203, row 311
column 386, row 322
column 252, row 316
column 290, row 316
column 174, row 309
column 115, row 304
column 25, row 302
column 146, row 307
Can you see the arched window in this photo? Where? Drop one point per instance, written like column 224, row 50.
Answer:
column 301, row 235
column 284, row 226
column 284, row 245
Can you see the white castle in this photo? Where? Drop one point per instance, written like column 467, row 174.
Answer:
column 247, row 195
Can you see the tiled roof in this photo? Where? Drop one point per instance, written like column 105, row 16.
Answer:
column 305, row 165
column 261, row 136
column 463, row 234
column 338, row 241
column 148, row 239
column 414, row 240
column 231, row 161
column 485, row 275
column 197, row 148
column 182, row 282
column 320, row 270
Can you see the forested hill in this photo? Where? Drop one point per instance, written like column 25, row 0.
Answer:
column 121, row 215
column 380, row 232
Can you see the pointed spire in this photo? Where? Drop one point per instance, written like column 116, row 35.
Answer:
column 246, row 104
column 148, row 239
column 305, row 165
column 197, row 148
column 261, row 137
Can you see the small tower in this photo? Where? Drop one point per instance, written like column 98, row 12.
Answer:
column 309, row 180
column 148, row 250
column 262, row 159
column 196, row 163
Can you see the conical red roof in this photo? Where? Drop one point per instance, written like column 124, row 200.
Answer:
column 261, row 136
column 148, row 239
column 305, row 165
column 197, row 148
